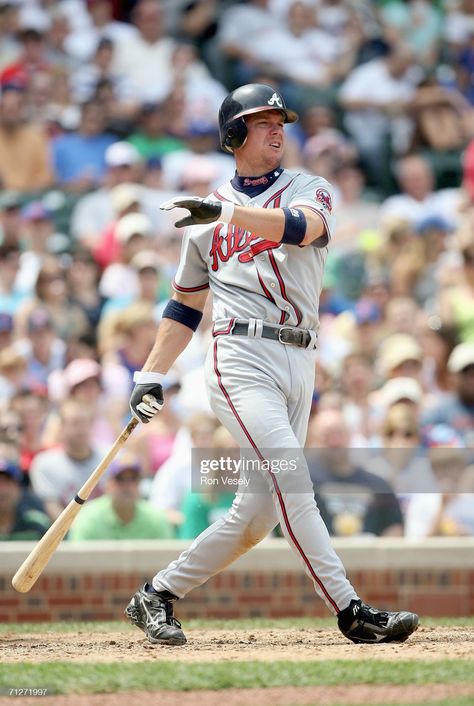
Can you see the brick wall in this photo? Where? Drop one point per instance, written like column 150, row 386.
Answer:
column 94, row 581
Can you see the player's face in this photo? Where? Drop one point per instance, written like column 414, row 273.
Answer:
column 263, row 149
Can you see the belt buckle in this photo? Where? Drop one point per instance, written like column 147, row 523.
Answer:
column 285, row 328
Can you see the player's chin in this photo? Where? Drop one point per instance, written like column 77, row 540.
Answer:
column 274, row 156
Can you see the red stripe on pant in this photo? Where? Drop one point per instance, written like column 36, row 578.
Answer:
column 275, row 483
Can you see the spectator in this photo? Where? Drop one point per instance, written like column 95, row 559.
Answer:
column 151, row 286
column 95, row 211
column 441, row 121
column 134, row 232
column 448, row 510
column 357, row 381
column 37, row 239
column 10, row 218
column 455, row 303
column 31, row 60
column 57, row 474
column 402, row 460
column 11, row 297
column 151, row 138
column 145, row 58
column 51, row 294
column 173, row 481
column 458, row 414
column 376, row 118
column 79, row 156
column 437, row 341
column 120, row 513
column 41, row 348
column 352, row 500
column 20, row 519
column 24, row 154
column 100, row 391
column 127, row 336
column 87, row 79
column 417, row 200
column 32, row 409
column 199, row 23
column 125, row 200
column 201, row 140
column 241, row 29
column 416, row 24
column 12, row 373
column 101, row 26
column 9, row 26
column 400, row 355
column 6, row 330
column 202, row 507
column 83, row 277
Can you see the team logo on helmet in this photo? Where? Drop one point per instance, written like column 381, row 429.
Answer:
column 324, row 198
column 275, row 100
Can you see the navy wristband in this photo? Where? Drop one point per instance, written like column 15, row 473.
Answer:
column 295, row 226
column 185, row 315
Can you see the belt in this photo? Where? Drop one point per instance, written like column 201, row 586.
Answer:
column 287, row 335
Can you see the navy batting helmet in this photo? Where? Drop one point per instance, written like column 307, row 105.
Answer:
column 245, row 100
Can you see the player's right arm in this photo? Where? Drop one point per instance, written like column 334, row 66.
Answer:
column 171, row 339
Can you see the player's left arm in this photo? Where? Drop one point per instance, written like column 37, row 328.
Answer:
column 303, row 223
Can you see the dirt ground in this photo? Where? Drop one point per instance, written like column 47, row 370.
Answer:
column 428, row 643
column 302, row 644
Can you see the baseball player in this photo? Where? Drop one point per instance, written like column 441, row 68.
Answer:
column 259, row 243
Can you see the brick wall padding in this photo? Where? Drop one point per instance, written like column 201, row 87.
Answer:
column 94, row 580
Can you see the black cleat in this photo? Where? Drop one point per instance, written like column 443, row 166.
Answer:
column 361, row 623
column 152, row 612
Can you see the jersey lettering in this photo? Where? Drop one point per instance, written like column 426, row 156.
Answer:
column 235, row 240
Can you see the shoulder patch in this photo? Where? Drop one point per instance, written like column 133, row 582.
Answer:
column 324, row 198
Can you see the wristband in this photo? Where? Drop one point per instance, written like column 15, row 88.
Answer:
column 295, row 226
column 144, row 377
column 227, row 211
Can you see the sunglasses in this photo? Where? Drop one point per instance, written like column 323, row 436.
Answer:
column 404, row 433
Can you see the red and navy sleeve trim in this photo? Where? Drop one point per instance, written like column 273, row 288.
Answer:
column 189, row 290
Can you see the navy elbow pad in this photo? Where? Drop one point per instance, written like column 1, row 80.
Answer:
column 182, row 313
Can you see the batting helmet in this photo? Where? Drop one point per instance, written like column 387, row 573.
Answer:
column 245, row 100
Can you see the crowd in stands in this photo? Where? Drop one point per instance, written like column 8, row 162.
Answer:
column 109, row 108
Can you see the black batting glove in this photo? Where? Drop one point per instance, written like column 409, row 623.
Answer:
column 147, row 396
column 200, row 210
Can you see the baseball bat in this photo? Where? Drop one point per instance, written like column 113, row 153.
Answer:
column 42, row 552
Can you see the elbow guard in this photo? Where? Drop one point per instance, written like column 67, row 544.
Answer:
column 182, row 313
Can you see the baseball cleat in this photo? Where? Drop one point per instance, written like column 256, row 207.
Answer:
column 361, row 623
column 153, row 613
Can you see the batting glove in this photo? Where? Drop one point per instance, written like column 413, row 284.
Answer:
column 148, row 385
column 200, row 210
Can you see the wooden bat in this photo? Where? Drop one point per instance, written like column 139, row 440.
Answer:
column 39, row 556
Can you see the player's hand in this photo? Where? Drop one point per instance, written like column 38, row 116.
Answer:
column 200, row 210
column 146, row 400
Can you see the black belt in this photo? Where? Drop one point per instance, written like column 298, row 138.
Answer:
column 288, row 335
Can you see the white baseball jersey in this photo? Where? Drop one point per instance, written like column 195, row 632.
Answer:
column 251, row 276
column 260, row 389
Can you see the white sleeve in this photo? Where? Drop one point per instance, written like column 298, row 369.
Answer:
column 317, row 194
column 192, row 274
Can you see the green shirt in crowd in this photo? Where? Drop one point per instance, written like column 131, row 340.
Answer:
column 200, row 511
column 156, row 146
column 97, row 520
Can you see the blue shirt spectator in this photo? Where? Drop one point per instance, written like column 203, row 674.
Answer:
column 79, row 157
